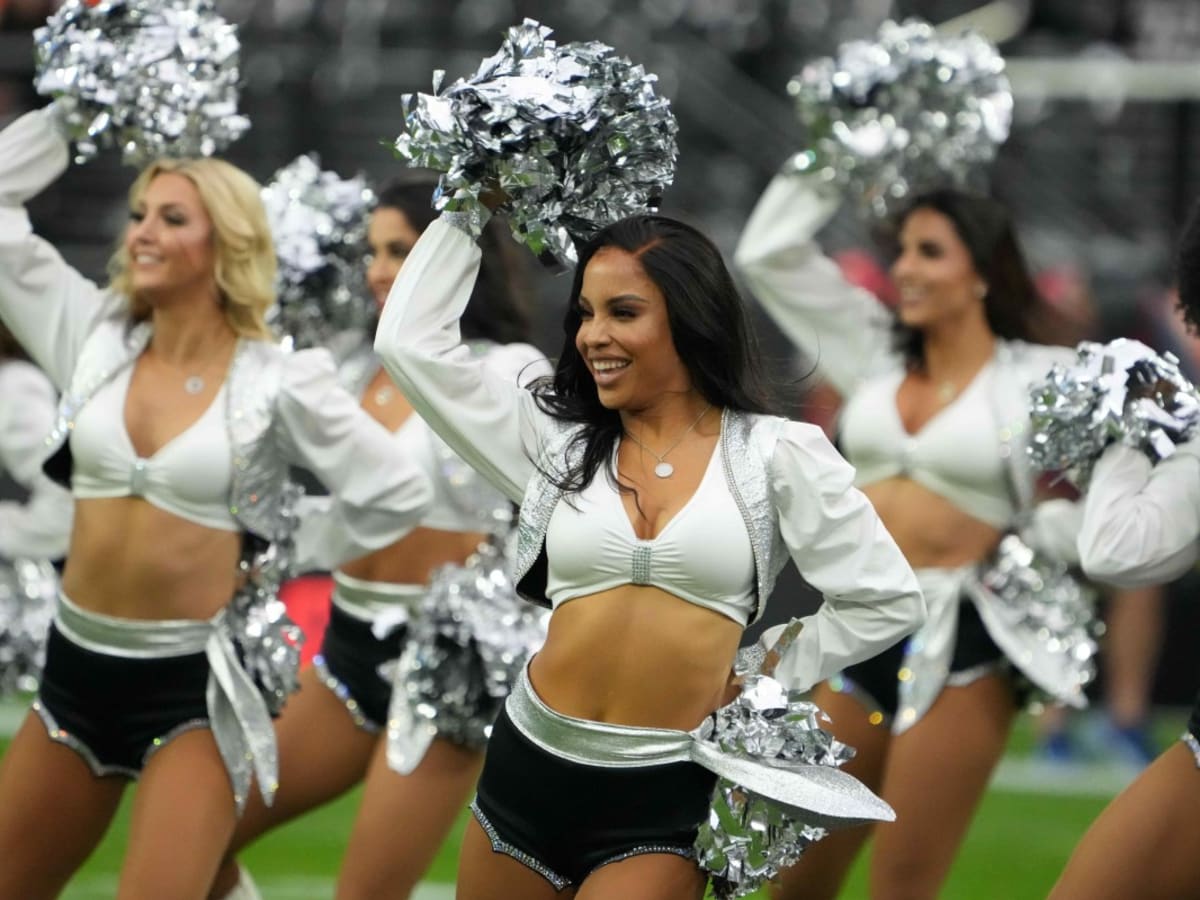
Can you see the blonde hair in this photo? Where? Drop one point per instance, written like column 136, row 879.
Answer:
column 245, row 256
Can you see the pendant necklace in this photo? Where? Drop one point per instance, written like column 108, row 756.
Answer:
column 664, row 469
column 194, row 384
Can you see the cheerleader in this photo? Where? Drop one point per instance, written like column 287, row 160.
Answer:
column 404, row 817
column 658, row 503
column 1141, row 526
column 179, row 421
column 935, row 401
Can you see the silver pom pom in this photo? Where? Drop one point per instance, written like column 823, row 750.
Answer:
column 318, row 224
column 1041, row 598
column 573, row 135
column 152, row 77
column 1119, row 391
column 907, row 112
column 28, row 592
column 466, row 645
column 268, row 642
column 748, row 838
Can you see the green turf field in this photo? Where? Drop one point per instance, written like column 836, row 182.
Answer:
column 1021, row 837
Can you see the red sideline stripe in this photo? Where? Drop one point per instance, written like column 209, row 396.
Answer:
column 307, row 602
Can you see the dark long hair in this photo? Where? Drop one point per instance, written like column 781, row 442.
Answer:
column 9, row 347
column 709, row 328
column 1187, row 263
column 497, row 309
column 1011, row 304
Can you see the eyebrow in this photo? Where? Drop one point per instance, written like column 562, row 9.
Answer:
column 617, row 299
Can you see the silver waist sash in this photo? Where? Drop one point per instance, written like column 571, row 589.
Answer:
column 237, row 713
column 384, row 604
column 822, row 795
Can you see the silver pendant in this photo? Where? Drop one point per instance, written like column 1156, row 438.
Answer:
column 194, row 384
column 664, row 470
column 384, row 395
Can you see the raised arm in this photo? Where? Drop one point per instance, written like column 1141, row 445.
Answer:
column 377, row 495
column 486, row 418
column 1141, row 522
column 842, row 328
column 871, row 596
column 40, row 527
column 47, row 305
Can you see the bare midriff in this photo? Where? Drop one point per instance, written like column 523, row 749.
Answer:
column 930, row 531
column 412, row 559
column 132, row 560
column 636, row 655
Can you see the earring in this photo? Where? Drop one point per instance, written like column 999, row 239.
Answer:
column 980, row 290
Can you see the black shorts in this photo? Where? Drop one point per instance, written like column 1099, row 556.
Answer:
column 115, row 711
column 349, row 662
column 565, row 819
column 877, row 680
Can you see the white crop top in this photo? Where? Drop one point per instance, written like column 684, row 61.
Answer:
column 702, row 555
column 416, row 442
column 957, row 454
column 190, row 476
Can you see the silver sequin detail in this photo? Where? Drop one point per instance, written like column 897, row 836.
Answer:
column 67, row 739
column 342, row 692
column 499, row 845
column 643, row 849
column 99, row 769
column 639, row 563
column 137, row 478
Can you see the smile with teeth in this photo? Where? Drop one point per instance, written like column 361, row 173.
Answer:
column 609, row 365
column 145, row 259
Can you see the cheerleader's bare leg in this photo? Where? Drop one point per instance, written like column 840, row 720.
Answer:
column 183, row 799
column 824, row 866
column 1145, row 844
column 936, row 774
column 486, row 875
column 311, row 772
column 53, row 812
column 404, row 819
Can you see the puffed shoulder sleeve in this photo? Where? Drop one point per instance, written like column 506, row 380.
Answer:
column 871, row 596
column 1141, row 522
column 49, row 307
column 487, row 418
column 40, row 527
column 377, row 494
column 842, row 328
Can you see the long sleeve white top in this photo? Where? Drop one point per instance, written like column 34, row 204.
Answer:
column 871, row 595
column 1141, row 522
column 846, row 331
column 52, row 310
column 40, row 526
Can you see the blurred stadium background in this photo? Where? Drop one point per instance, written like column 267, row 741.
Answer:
column 1100, row 169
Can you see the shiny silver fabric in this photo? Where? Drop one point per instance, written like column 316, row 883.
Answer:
column 237, row 713
column 1192, row 744
column 747, row 445
column 825, row 795
column 384, row 605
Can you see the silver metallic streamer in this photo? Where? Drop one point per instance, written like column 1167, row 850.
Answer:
column 267, row 640
column 28, row 590
column 1120, row 391
column 748, row 839
column 467, row 643
column 575, row 136
column 318, row 224
column 154, row 78
column 1047, row 601
column 909, row 111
